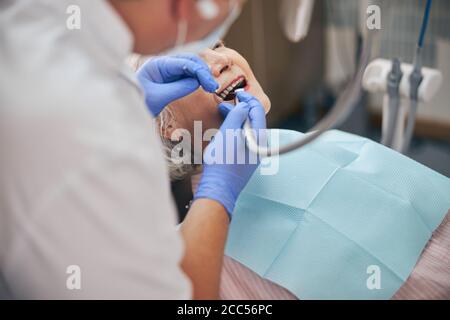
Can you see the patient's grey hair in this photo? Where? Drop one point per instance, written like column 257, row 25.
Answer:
column 177, row 171
column 164, row 121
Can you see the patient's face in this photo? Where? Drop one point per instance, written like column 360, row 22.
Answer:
column 227, row 66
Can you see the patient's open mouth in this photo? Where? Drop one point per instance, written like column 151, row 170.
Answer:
column 229, row 94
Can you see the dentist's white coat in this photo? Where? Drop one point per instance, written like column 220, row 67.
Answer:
column 82, row 176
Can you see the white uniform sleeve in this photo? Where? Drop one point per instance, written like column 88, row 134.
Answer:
column 96, row 195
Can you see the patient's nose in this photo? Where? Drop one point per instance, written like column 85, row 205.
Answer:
column 221, row 63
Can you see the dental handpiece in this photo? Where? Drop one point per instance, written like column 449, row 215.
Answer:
column 250, row 137
column 236, row 99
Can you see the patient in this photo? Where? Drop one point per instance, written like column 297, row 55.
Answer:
column 228, row 67
column 431, row 276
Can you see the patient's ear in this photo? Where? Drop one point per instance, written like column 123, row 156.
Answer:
column 167, row 124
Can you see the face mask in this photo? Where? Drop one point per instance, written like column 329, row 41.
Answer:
column 344, row 218
column 208, row 41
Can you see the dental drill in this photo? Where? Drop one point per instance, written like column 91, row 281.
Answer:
column 249, row 134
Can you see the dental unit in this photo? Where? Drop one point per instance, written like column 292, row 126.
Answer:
column 393, row 79
column 404, row 86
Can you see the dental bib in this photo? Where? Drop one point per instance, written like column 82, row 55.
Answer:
column 344, row 218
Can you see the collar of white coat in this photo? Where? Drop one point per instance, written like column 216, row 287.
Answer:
column 106, row 25
column 114, row 35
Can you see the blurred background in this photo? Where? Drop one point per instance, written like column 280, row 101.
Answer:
column 304, row 79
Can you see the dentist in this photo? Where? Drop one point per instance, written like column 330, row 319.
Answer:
column 85, row 205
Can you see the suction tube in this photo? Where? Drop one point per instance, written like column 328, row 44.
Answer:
column 341, row 111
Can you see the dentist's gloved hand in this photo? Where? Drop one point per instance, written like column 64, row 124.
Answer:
column 223, row 182
column 166, row 79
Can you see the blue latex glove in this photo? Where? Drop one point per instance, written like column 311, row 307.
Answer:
column 166, row 79
column 224, row 182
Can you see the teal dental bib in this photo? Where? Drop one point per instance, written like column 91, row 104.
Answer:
column 344, row 218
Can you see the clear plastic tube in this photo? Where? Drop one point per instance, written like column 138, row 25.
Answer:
column 343, row 108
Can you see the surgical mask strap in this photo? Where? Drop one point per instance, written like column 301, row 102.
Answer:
column 183, row 24
column 209, row 40
column 181, row 33
column 183, row 29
